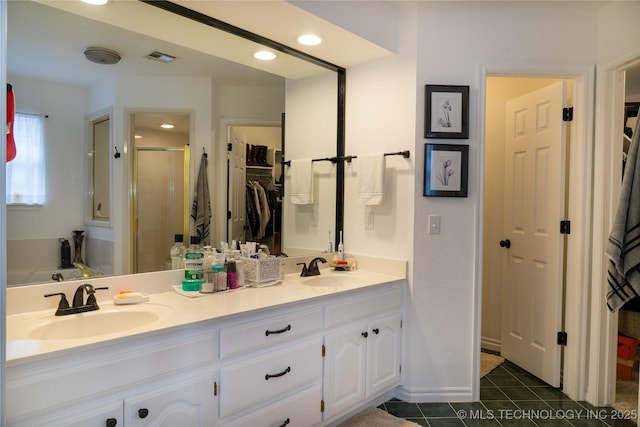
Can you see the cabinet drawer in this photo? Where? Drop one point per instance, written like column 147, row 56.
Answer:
column 364, row 306
column 244, row 385
column 257, row 334
column 299, row 410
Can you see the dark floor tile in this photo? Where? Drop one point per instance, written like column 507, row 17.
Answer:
column 566, row 405
column 582, row 422
column 551, row 422
column 510, row 422
column 498, row 407
column 403, row 409
column 622, row 423
column 436, row 410
column 532, row 381
column 467, row 406
column 514, row 369
column 505, row 380
column 492, row 393
column 419, row 421
column 549, row 393
column 533, row 405
column 519, row 393
column 486, row 382
column 491, row 422
column 445, row 422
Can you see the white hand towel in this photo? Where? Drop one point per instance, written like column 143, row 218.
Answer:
column 301, row 182
column 370, row 179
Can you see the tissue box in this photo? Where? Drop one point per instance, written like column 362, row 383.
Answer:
column 261, row 270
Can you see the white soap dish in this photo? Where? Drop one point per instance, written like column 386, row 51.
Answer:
column 130, row 298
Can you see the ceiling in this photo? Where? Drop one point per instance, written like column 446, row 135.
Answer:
column 45, row 41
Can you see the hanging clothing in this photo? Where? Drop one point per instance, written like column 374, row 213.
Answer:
column 11, row 112
column 623, row 246
column 258, row 209
column 201, row 208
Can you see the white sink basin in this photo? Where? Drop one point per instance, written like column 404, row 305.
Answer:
column 91, row 324
column 331, row 280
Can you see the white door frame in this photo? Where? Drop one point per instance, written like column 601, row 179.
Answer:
column 607, row 182
column 580, row 190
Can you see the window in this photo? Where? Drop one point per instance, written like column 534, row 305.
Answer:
column 26, row 184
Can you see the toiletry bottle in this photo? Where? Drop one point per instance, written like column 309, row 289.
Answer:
column 340, row 249
column 232, row 274
column 220, row 282
column 65, row 253
column 239, row 267
column 329, row 244
column 193, row 265
column 177, row 252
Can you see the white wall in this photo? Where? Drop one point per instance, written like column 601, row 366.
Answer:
column 385, row 107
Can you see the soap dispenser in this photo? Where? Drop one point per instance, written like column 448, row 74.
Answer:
column 340, row 248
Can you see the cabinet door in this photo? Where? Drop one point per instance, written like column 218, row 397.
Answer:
column 79, row 415
column 383, row 354
column 344, row 369
column 181, row 403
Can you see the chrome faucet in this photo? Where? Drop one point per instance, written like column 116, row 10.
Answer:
column 313, row 269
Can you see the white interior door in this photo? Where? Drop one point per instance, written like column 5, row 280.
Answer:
column 534, row 206
column 237, row 182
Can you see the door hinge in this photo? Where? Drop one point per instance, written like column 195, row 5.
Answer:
column 215, row 388
column 324, row 350
column 322, row 406
column 228, row 214
column 567, row 114
column 400, row 370
column 400, row 323
column 565, row 227
column 562, row 338
column 229, row 146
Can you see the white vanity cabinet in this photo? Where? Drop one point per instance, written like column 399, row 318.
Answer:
column 362, row 359
column 170, row 378
column 271, row 369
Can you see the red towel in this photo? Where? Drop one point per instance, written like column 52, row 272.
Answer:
column 11, row 111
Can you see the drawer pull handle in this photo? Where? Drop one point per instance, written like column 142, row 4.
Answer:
column 365, row 334
column 143, row 412
column 286, row 371
column 376, row 331
column 279, row 331
column 286, row 422
column 111, row 422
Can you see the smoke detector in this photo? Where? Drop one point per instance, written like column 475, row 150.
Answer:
column 102, row 55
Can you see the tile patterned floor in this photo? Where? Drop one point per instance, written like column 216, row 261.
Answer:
column 510, row 396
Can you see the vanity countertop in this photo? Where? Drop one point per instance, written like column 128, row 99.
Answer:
column 173, row 310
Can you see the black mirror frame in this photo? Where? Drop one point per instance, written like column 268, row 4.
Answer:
column 342, row 80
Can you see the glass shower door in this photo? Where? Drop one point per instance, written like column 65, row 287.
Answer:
column 160, row 204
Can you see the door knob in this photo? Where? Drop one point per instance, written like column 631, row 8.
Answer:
column 505, row 243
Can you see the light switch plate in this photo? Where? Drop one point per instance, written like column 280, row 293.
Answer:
column 434, row 224
column 368, row 218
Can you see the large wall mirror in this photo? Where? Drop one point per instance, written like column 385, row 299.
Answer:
column 175, row 66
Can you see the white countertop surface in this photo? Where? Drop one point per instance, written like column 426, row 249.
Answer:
column 175, row 310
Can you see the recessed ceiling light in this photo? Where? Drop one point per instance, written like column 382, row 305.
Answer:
column 96, row 2
column 137, row 136
column 159, row 56
column 167, row 126
column 264, row 55
column 310, row 39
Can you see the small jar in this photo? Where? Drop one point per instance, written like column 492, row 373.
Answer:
column 220, row 278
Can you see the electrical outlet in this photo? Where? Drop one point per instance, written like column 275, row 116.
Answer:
column 368, row 218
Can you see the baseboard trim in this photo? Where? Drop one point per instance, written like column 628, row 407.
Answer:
column 445, row 394
column 491, row 344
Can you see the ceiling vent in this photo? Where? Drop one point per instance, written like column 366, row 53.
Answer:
column 159, row 56
column 102, row 55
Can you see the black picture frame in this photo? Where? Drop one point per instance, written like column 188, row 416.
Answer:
column 446, row 170
column 446, row 112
